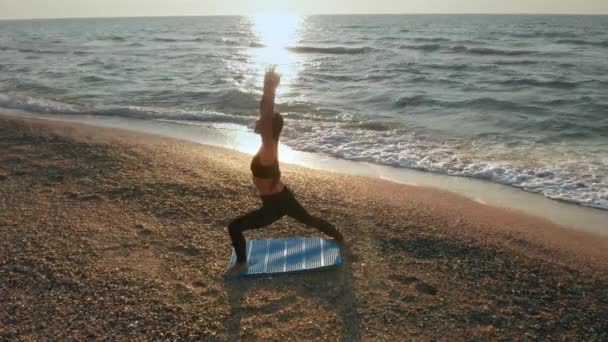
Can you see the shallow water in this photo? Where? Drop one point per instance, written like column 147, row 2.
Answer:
column 518, row 100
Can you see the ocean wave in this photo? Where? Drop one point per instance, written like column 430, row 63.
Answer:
column 335, row 50
column 487, row 103
column 37, row 88
column 431, row 39
column 90, row 63
column 452, row 67
column 423, row 47
column 543, row 34
column 581, row 42
column 566, row 101
column 330, row 77
column 415, row 101
column 172, row 114
column 239, row 33
column 309, row 111
column 40, row 51
column 491, row 51
column 46, row 106
column 388, row 38
column 538, row 83
column 484, row 103
column 43, row 51
column 563, row 127
column 38, row 105
column 228, row 42
column 371, row 126
column 556, row 178
column 164, row 40
column 562, row 136
column 92, row 79
column 174, row 40
column 233, row 99
column 367, row 27
column 471, row 50
column 517, row 62
column 232, row 42
column 113, row 38
column 378, row 142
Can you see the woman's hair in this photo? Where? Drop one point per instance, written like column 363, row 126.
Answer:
column 277, row 125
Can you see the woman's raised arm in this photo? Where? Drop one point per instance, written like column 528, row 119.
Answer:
column 271, row 82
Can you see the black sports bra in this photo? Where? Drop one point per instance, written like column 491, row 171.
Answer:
column 265, row 172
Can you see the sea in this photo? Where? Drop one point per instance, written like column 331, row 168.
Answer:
column 520, row 100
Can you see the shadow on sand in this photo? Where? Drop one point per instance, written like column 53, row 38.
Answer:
column 331, row 288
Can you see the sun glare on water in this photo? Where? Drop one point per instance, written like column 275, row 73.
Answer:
column 276, row 32
column 250, row 143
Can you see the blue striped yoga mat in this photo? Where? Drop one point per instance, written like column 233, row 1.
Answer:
column 287, row 255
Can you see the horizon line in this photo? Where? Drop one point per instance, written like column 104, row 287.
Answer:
column 311, row 14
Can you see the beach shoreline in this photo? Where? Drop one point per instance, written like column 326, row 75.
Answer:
column 111, row 233
column 565, row 214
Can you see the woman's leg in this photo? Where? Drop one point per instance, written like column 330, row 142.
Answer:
column 294, row 209
column 253, row 220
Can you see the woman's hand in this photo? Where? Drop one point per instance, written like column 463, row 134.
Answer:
column 271, row 80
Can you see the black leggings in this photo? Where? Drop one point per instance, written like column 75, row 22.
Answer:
column 273, row 208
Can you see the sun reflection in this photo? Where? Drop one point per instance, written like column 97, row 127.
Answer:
column 250, row 143
column 276, row 32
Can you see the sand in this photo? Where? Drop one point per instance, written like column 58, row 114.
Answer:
column 111, row 234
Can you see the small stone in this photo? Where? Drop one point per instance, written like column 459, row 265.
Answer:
column 426, row 289
column 3, row 177
column 409, row 299
column 403, row 280
column 72, row 195
column 92, row 197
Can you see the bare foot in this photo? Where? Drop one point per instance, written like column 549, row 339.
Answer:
column 344, row 243
column 236, row 269
column 345, row 247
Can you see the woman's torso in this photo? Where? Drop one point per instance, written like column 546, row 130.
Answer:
column 266, row 172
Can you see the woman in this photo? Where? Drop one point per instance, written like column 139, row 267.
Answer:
column 277, row 199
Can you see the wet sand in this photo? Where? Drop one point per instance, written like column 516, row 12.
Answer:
column 107, row 233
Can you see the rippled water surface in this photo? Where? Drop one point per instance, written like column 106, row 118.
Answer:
column 519, row 100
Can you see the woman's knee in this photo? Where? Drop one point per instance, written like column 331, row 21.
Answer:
column 307, row 219
column 234, row 227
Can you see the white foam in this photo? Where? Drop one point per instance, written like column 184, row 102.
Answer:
column 46, row 106
column 553, row 171
column 43, row 106
column 558, row 172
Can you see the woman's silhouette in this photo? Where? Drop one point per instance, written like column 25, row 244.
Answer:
column 277, row 199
